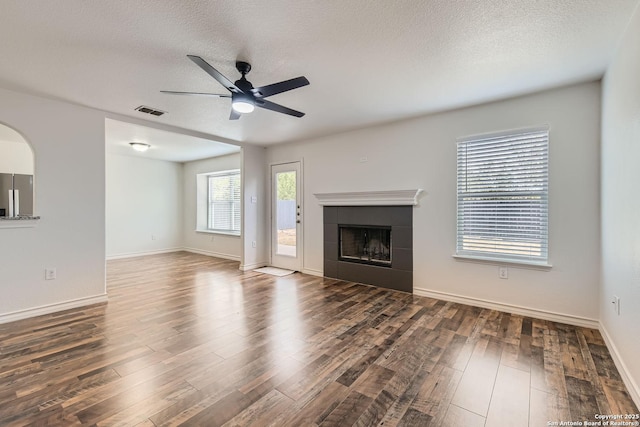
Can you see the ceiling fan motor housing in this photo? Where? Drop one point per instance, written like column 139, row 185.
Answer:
column 244, row 85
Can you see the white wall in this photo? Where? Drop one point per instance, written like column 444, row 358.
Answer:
column 255, row 199
column 421, row 153
column 16, row 157
column 207, row 243
column 144, row 205
column 68, row 144
column 621, row 203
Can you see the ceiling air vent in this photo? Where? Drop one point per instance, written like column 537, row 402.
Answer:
column 149, row 110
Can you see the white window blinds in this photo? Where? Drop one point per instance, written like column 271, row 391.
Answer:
column 224, row 202
column 502, row 197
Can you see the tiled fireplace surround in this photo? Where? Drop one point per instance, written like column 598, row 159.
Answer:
column 383, row 211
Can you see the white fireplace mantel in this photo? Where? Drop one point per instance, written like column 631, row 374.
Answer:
column 370, row 198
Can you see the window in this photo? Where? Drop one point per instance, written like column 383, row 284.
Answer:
column 223, row 208
column 502, row 197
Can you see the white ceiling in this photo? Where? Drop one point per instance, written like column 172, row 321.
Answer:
column 367, row 61
column 164, row 145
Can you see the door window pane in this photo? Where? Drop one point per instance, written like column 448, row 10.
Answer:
column 286, row 210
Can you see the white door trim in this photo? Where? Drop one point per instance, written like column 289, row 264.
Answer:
column 274, row 261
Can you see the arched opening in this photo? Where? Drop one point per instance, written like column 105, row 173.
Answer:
column 16, row 174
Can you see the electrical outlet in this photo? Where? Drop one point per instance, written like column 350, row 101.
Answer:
column 616, row 304
column 363, row 160
column 212, row 237
column 49, row 274
column 254, row 244
column 503, row 273
column 153, row 237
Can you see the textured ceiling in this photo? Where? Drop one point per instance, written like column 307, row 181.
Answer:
column 367, row 61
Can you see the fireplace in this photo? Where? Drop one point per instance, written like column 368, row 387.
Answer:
column 368, row 237
column 370, row 244
column 365, row 244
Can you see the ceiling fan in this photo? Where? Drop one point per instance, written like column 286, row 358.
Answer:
column 245, row 97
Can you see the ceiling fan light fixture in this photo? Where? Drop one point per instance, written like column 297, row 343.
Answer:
column 243, row 106
column 242, row 103
column 139, row 146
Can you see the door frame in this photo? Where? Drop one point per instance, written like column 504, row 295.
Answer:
column 300, row 229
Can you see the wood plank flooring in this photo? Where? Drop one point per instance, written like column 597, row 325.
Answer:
column 190, row 340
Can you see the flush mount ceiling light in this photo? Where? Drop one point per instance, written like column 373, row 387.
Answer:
column 139, row 146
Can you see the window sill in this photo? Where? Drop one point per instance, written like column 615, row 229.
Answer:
column 19, row 222
column 223, row 233
column 522, row 264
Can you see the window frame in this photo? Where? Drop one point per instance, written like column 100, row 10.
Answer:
column 209, row 202
column 467, row 200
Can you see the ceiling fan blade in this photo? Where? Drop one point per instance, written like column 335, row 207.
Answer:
column 263, row 103
column 280, row 87
column 234, row 115
column 214, row 73
column 173, row 92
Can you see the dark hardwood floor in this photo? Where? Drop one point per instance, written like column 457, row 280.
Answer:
column 190, row 340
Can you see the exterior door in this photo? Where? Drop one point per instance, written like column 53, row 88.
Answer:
column 286, row 216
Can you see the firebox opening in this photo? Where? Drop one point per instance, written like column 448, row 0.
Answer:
column 365, row 244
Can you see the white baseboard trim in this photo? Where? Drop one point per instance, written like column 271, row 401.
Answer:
column 631, row 385
column 213, row 254
column 312, row 272
column 52, row 308
column 248, row 267
column 166, row 251
column 137, row 254
column 515, row 309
